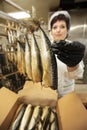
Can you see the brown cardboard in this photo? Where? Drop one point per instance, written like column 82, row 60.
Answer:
column 8, row 106
column 72, row 115
column 71, row 112
column 83, row 97
column 28, row 84
column 38, row 95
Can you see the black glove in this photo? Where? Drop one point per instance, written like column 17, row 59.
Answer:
column 70, row 53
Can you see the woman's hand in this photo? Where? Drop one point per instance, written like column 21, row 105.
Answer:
column 70, row 53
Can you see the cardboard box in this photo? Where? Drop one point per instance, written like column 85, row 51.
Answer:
column 35, row 94
column 29, row 84
column 9, row 101
column 8, row 106
column 71, row 113
column 83, row 97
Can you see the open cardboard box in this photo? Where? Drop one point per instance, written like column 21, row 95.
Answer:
column 36, row 94
column 70, row 107
column 72, row 114
column 8, row 106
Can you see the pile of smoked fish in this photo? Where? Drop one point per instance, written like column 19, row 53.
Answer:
column 29, row 117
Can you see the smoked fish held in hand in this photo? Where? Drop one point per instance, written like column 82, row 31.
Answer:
column 49, row 64
column 35, row 61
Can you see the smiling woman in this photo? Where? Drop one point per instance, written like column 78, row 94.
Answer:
column 68, row 53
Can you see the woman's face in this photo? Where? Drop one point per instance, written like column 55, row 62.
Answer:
column 59, row 30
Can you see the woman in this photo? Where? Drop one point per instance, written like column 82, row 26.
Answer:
column 68, row 54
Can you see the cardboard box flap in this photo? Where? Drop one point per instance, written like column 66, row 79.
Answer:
column 72, row 113
column 38, row 95
column 28, row 84
column 7, row 103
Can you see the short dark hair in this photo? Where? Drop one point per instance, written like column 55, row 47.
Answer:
column 59, row 18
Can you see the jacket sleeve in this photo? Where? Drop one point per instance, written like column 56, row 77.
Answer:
column 76, row 74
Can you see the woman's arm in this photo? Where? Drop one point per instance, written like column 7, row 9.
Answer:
column 70, row 69
column 75, row 72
